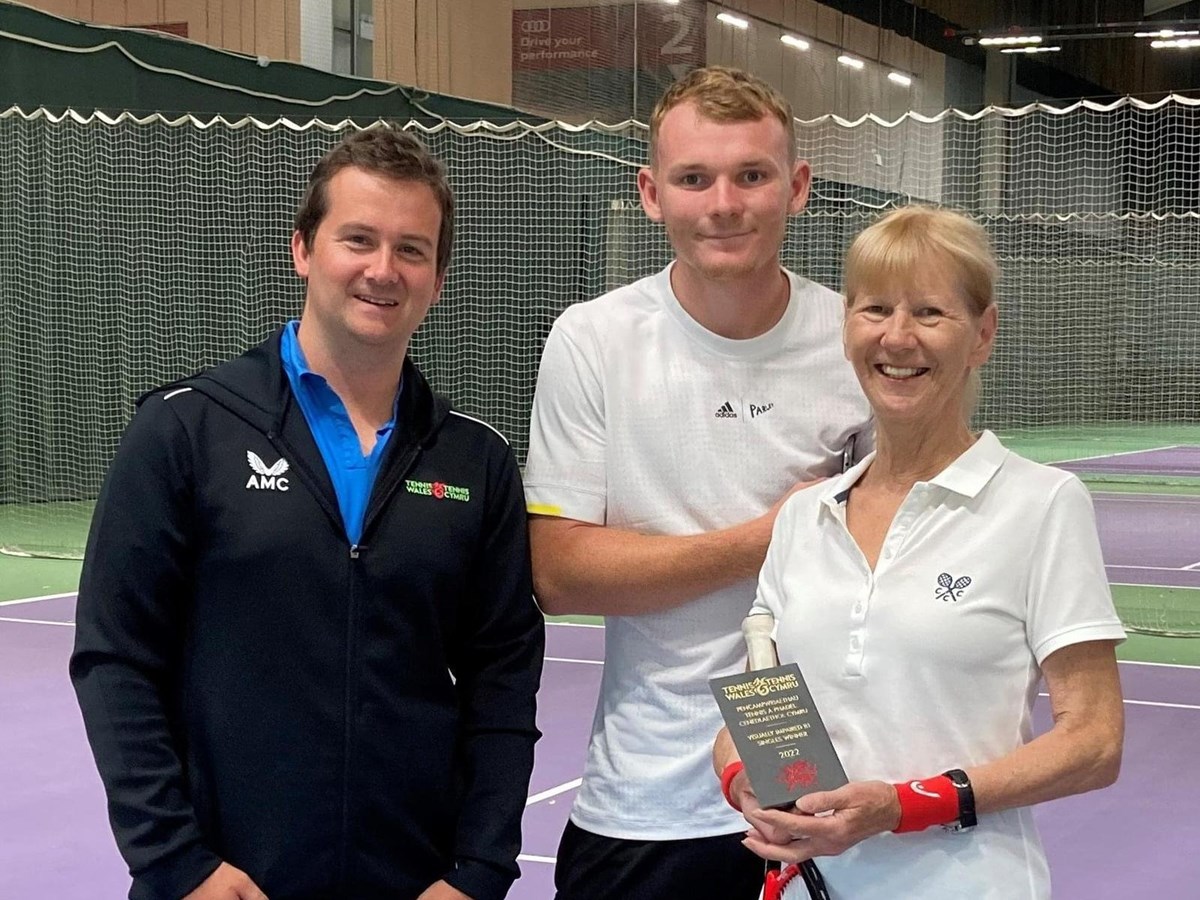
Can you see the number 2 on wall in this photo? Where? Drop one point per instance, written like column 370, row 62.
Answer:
column 675, row 46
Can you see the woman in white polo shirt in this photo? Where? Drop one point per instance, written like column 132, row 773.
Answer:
column 925, row 593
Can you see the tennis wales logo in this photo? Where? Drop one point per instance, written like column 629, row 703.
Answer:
column 264, row 477
column 950, row 588
column 726, row 411
column 800, row 773
column 438, row 490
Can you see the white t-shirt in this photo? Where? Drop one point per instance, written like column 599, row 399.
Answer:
column 643, row 420
column 931, row 661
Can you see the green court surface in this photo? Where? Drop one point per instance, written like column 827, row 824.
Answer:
column 20, row 578
column 1078, row 442
column 52, row 529
column 1096, row 439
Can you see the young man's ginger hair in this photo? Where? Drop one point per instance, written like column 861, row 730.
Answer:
column 723, row 94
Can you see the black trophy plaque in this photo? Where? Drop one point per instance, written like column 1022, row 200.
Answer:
column 778, row 734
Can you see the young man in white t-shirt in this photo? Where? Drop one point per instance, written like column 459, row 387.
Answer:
column 672, row 417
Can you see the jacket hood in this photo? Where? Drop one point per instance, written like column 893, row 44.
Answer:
column 255, row 388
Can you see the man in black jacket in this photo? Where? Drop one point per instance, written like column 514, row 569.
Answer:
column 307, row 651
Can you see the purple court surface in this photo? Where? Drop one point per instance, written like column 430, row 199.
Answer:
column 1176, row 461
column 1151, row 539
column 1136, row 839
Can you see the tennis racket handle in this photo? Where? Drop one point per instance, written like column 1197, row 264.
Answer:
column 760, row 648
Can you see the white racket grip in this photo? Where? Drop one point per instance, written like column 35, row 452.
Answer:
column 760, row 649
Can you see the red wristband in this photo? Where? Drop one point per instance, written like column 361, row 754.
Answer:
column 930, row 801
column 729, row 773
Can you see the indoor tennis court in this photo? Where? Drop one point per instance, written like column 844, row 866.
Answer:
column 1109, row 844
column 146, row 201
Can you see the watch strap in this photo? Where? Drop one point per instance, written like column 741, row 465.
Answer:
column 966, row 799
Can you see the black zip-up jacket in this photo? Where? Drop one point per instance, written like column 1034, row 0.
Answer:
column 336, row 721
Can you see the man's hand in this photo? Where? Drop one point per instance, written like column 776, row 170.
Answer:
column 439, row 890
column 798, row 486
column 826, row 823
column 765, row 524
column 227, row 883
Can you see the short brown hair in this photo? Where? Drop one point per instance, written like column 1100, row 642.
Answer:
column 383, row 150
column 900, row 244
column 724, row 94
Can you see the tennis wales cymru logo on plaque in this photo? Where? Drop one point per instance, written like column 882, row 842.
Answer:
column 779, row 734
column 799, row 774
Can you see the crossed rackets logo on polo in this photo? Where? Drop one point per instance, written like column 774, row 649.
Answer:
column 951, row 588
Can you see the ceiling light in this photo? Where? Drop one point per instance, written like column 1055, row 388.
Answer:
column 1180, row 43
column 1030, row 49
column 900, row 78
column 735, row 21
column 1165, row 33
column 850, row 61
column 792, row 41
column 1010, row 40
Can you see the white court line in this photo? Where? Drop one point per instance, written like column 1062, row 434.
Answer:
column 35, row 621
column 1142, row 584
column 529, row 857
column 1195, row 565
column 21, row 600
column 553, row 792
column 1109, row 455
column 1123, row 662
column 1166, row 705
column 572, row 625
column 1159, row 499
column 598, row 662
column 1138, row 662
column 561, row 659
column 1152, row 703
column 1148, row 569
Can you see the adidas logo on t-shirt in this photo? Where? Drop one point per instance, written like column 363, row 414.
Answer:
column 726, row 411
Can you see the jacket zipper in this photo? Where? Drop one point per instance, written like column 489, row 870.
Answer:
column 352, row 612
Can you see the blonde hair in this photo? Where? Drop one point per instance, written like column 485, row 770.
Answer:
column 899, row 246
column 724, row 94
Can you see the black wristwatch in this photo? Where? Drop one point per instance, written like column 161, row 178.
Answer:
column 966, row 801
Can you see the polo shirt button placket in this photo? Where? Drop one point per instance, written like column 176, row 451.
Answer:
column 854, row 657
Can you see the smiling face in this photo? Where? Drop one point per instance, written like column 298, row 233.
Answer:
column 914, row 342
column 371, row 264
column 724, row 190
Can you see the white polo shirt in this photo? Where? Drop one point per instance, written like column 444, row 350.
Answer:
column 646, row 421
column 931, row 661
